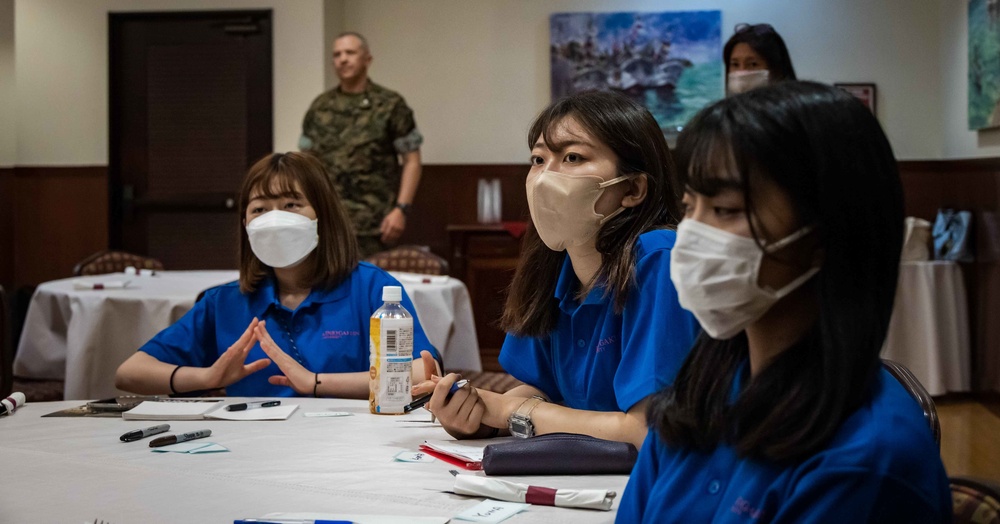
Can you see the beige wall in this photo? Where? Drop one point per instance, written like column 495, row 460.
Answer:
column 61, row 64
column 477, row 72
column 8, row 143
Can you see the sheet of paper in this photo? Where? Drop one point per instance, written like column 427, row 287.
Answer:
column 413, row 456
column 281, row 412
column 193, row 448
column 171, row 410
column 358, row 519
column 326, row 414
column 491, row 511
column 90, row 283
column 466, row 451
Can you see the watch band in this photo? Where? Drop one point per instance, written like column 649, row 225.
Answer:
column 519, row 423
column 405, row 208
column 526, row 407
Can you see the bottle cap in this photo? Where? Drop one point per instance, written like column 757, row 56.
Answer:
column 392, row 293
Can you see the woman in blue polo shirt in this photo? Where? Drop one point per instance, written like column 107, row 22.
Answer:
column 302, row 295
column 788, row 256
column 593, row 324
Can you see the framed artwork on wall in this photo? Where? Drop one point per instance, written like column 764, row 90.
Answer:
column 864, row 92
column 984, row 64
column 670, row 62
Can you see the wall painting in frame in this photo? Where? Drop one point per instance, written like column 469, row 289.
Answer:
column 984, row 64
column 670, row 62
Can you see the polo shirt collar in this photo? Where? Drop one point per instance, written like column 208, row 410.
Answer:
column 266, row 295
column 568, row 284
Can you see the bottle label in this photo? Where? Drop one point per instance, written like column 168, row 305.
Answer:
column 391, row 342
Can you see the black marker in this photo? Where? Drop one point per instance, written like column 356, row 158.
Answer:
column 419, row 402
column 184, row 437
column 143, row 433
column 252, row 405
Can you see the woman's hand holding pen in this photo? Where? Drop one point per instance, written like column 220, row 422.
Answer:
column 295, row 375
column 231, row 366
column 461, row 415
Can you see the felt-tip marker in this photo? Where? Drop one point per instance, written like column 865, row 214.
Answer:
column 251, row 405
column 175, row 439
column 419, row 402
column 143, row 433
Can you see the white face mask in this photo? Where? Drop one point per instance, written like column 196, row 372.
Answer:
column 715, row 273
column 743, row 81
column 562, row 207
column 282, row 239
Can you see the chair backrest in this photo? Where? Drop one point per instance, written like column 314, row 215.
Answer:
column 975, row 501
column 411, row 259
column 114, row 262
column 6, row 348
column 917, row 391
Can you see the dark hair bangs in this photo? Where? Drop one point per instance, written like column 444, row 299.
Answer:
column 277, row 182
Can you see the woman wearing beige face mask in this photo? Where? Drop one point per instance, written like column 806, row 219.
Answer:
column 594, row 325
column 755, row 56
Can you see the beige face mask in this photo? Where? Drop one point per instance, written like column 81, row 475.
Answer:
column 562, row 207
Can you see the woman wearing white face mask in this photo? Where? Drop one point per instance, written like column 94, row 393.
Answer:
column 755, row 56
column 594, row 326
column 788, row 256
column 302, row 295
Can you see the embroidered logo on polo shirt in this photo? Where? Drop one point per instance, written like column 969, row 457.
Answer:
column 604, row 343
column 336, row 334
column 742, row 507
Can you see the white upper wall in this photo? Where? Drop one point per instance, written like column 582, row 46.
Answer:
column 476, row 73
column 61, row 64
column 8, row 138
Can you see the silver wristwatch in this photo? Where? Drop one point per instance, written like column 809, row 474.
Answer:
column 519, row 422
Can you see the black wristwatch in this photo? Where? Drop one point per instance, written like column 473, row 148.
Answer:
column 405, row 208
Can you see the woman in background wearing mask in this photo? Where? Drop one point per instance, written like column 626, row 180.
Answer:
column 788, row 255
column 755, row 56
column 593, row 324
column 300, row 282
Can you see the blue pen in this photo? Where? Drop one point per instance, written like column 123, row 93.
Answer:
column 419, row 402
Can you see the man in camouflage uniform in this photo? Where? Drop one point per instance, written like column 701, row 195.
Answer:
column 360, row 130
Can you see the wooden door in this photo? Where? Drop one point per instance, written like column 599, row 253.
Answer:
column 190, row 110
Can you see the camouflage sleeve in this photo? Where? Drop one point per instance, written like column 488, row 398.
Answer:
column 307, row 138
column 405, row 135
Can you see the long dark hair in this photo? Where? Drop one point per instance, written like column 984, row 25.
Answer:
column 828, row 153
column 767, row 43
column 632, row 133
column 277, row 175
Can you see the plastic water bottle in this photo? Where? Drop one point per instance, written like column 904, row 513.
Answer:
column 391, row 354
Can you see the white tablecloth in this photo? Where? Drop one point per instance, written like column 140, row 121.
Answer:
column 929, row 330
column 83, row 335
column 74, row 470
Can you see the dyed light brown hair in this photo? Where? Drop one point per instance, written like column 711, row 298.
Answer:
column 286, row 174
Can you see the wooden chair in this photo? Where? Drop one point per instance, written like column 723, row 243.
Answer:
column 109, row 261
column 410, row 259
column 975, row 501
column 917, row 391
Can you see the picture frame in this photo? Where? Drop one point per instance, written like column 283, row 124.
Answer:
column 863, row 91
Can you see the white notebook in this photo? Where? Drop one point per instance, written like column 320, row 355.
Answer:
column 174, row 410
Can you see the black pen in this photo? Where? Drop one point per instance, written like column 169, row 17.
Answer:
column 419, row 402
column 252, row 405
column 184, row 437
column 143, row 433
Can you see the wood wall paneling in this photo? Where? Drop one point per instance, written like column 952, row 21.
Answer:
column 60, row 217
column 972, row 185
column 7, row 199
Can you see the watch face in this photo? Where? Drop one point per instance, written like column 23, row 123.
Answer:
column 520, row 428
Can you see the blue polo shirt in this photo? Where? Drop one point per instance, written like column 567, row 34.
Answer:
column 882, row 465
column 327, row 333
column 598, row 360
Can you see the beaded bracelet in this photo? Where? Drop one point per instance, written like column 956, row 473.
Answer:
column 172, row 390
column 316, row 385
